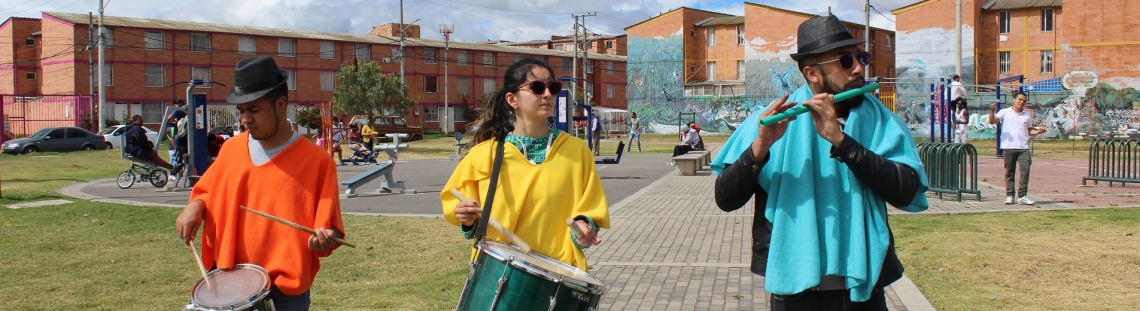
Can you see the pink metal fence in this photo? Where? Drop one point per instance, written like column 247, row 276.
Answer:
column 24, row 115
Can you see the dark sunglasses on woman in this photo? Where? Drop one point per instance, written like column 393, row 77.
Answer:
column 538, row 87
column 847, row 60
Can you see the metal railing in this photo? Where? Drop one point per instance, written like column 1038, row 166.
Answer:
column 950, row 168
column 1113, row 160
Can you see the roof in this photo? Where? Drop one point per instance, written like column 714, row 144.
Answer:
column 677, row 10
column 145, row 23
column 1020, row 4
column 723, row 20
column 912, row 6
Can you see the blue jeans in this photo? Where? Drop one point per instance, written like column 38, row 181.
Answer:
column 823, row 300
column 632, row 136
column 290, row 303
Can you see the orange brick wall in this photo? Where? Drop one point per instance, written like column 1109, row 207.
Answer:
column 1025, row 41
column 1102, row 36
column 725, row 53
column 17, row 58
column 780, row 37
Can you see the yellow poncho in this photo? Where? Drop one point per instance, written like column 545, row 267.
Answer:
column 533, row 201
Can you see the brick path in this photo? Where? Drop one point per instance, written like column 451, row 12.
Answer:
column 671, row 248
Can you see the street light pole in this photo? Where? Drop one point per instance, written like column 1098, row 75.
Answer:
column 402, row 43
column 102, row 95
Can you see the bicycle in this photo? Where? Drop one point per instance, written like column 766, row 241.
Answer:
column 157, row 176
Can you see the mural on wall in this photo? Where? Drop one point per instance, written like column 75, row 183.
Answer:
column 655, row 72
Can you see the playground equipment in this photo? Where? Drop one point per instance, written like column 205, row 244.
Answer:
column 197, row 157
column 384, row 169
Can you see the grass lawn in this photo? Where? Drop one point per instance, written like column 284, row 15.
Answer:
column 87, row 255
column 1049, row 260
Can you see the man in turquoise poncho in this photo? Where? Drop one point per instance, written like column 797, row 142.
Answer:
column 822, row 182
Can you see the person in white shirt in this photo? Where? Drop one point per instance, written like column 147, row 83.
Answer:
column 957, row 90
column 961, row 120
column 1017, row 128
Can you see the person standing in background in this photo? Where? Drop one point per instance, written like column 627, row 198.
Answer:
column 634, row 132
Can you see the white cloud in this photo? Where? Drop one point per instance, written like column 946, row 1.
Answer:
column 474, row 20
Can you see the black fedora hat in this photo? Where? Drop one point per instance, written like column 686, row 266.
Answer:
column 253, row 77
column 821, row 34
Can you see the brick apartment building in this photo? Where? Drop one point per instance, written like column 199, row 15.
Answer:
column 591, row 43
column 47, row 56
column 692, row 56
column 1038, row 39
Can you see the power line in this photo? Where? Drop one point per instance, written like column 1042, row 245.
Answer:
column 881, row 13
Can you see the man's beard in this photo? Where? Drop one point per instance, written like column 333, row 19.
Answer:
column 833, row 89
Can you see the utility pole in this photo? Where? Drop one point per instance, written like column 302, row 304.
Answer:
column 401, row 56
column 867, row 33
column 958, row 39
column 102, row 94
column 574, row 82
column 586, row 60
column 446, row 30
column 573, row 75
column 90, row 61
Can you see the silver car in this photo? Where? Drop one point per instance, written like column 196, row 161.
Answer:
column 56, row 139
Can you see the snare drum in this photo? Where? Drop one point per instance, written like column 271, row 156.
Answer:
column 245, row 287
column 505, row 278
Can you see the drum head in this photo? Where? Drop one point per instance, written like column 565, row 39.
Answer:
column 233, row 288
column 541, row 264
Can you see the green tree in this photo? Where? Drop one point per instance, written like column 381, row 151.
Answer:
column 364, row 90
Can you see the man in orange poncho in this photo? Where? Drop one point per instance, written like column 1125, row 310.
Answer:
column 270, row 169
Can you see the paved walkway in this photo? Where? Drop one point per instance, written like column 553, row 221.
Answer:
column 671, row 248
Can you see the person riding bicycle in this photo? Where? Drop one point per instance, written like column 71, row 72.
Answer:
column 139, row 146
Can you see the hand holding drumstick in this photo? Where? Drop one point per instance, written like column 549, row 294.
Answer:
column 470, row 213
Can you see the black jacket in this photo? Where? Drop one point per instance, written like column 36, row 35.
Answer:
column 137, row 141
column 895, row 183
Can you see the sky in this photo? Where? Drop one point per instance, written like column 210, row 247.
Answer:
column 472, row 20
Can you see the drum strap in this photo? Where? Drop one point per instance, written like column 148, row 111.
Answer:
column 481, row 231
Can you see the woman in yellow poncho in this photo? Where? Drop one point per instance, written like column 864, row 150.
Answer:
column 546, row 177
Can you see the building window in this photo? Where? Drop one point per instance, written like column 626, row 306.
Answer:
column 247, row 45
column 153, row 111
column 108, row 74
column 31, row 75
column 589, row 66
column 457, row 113
column 431, row 84
column 155, row 75
column 488, row 59
column 740, row 34
column 589, row 92
column 200, row 73
column 431, row 113
column 1046, row 61
column 1003, row 63
column 154, row 40
column 488, row 86
column 692, row 69
column 328, row 81
column 461, row 58
column 558, row 47
column 712, row 71
column 1047, row 19
column 362, row 51
column 567, row 65
column 291, row 77
column 610, row 90
column 609, row 44
column 30, row 41
column 712, row 36
column 430, row 56
column 740, row 70
column 1004, row 21
column 461, row 87
column 610, row 67
column 287, row 47
column 328, row 50
column 108, row 37
column 199, row 42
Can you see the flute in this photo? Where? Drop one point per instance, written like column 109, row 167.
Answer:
column 794, row 111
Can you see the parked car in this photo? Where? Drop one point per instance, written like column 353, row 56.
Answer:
column 113, row 135
column 56, row 139
column 390, row 125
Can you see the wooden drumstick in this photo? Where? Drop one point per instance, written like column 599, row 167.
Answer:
column 495, row 224
column 294, row 225
column 573, row 227
column 201, row 266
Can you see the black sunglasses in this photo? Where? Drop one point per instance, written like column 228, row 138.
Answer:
column 538, row 86
column 847, row 60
